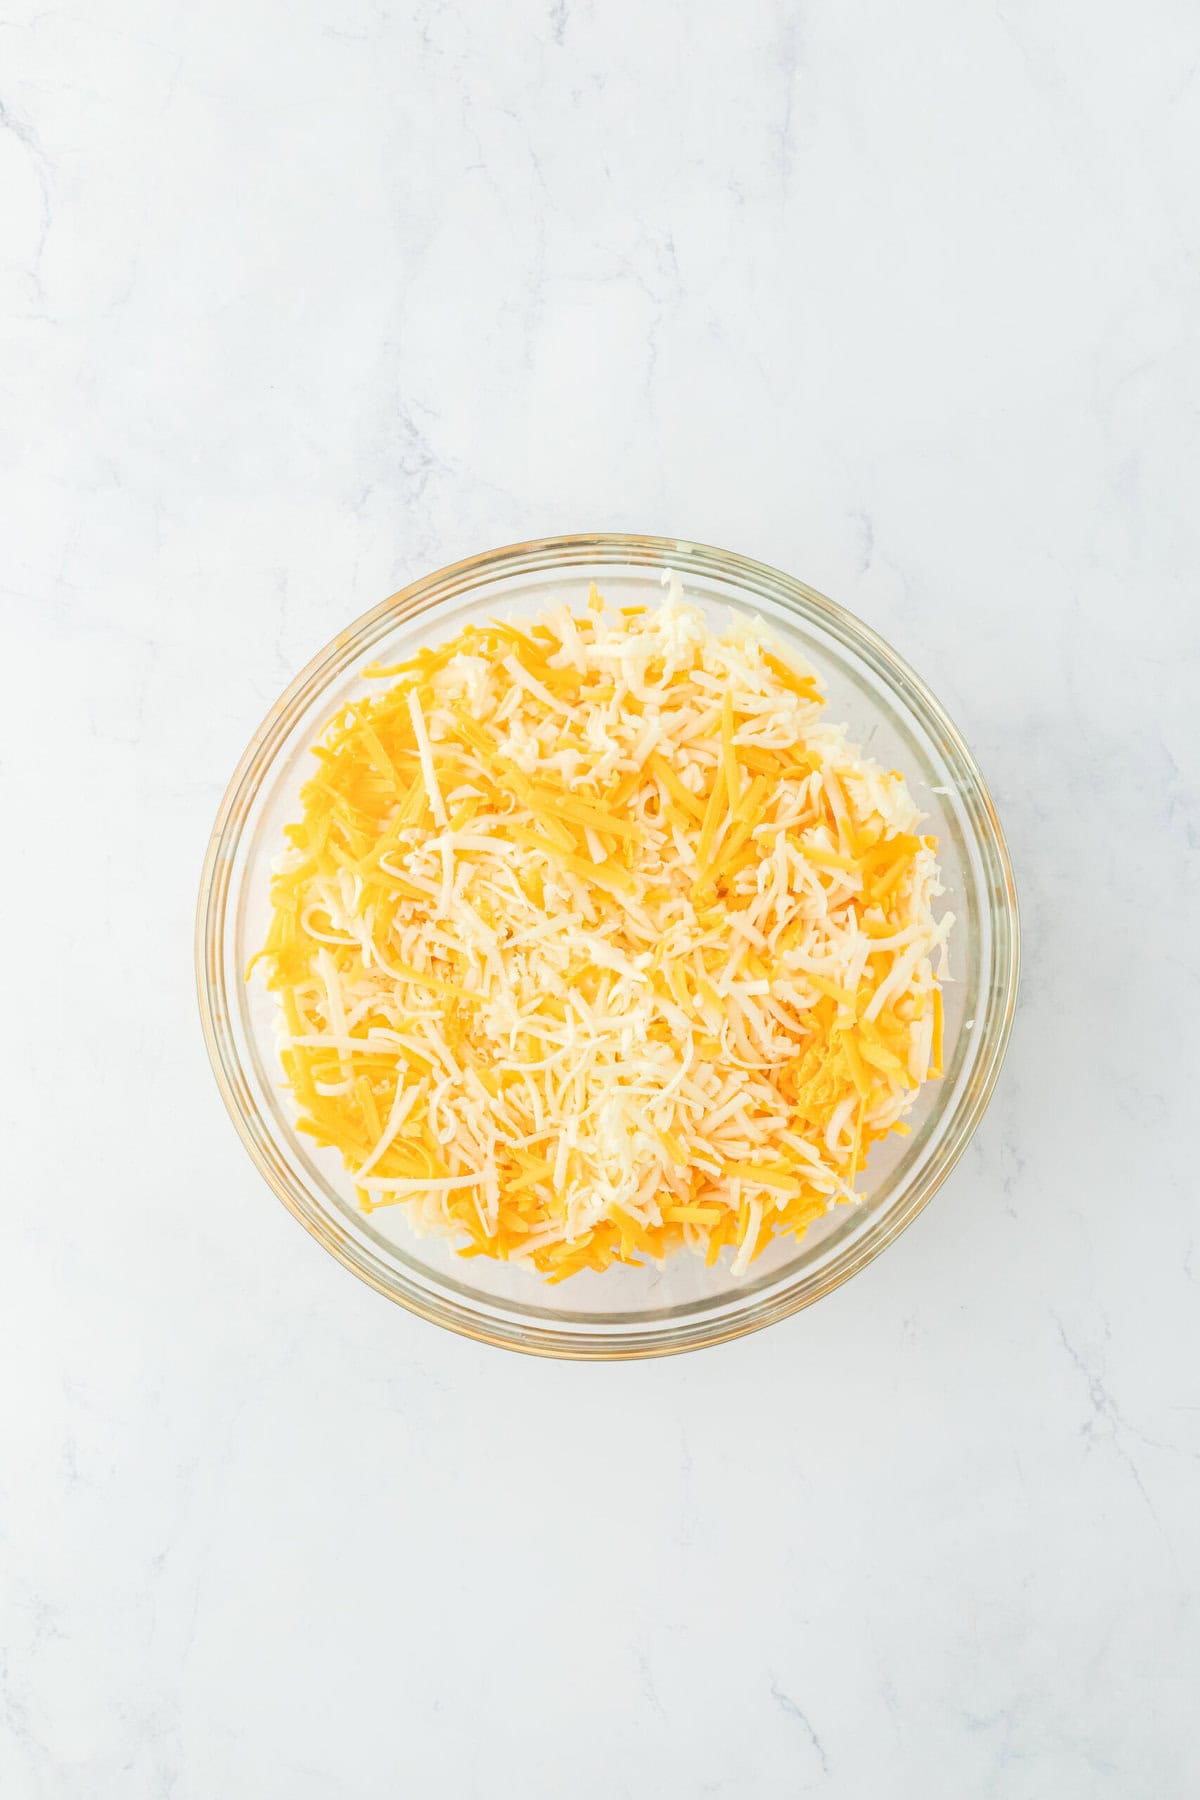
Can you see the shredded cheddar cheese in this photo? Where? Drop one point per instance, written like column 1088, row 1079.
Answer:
column 595, row 942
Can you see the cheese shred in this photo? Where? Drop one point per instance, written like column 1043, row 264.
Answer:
column 594, row 942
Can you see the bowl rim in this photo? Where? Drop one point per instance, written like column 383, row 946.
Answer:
column 573, row 549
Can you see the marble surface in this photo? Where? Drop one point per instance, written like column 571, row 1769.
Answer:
column 302, row 300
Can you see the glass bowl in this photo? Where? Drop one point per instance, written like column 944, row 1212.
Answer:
column 624, row 1312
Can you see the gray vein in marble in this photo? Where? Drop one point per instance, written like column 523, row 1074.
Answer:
column 794, row 1711
column 787, row 63
column 27, row 137
column 1107, row 1418
column 646, row 1683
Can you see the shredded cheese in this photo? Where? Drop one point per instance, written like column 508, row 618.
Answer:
column 595, row 942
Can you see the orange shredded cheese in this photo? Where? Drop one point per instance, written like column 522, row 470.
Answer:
column 594, row 942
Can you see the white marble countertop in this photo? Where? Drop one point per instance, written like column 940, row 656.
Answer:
column 303, row 300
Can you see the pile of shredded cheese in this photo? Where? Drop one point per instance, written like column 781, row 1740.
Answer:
column 594, row 942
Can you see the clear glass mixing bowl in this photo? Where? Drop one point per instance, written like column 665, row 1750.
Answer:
column 624, row 1312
